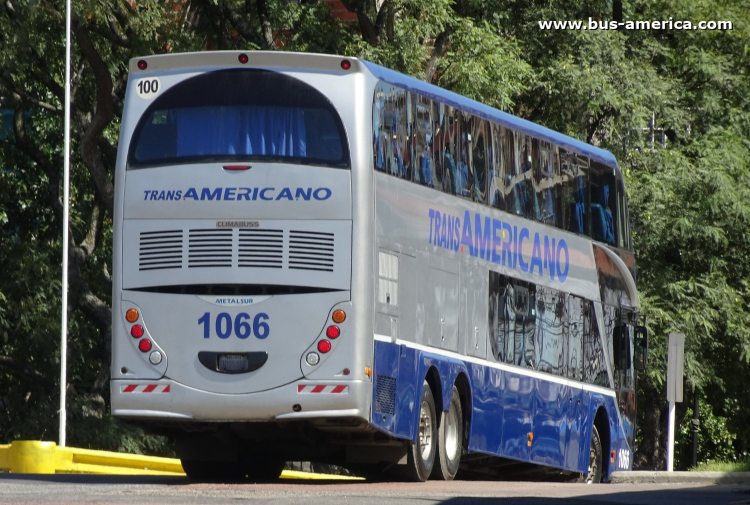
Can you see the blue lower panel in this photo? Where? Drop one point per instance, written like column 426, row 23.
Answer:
column 507, row 407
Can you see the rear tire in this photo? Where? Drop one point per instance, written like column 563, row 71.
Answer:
column 594, row 475
column 421, row 454
column 450, row 439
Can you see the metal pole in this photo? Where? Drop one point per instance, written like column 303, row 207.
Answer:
column 670, row 441
column 696, row 424
column 66, row 218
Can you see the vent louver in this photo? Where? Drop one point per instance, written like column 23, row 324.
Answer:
column 309, row 250
column 385, row 394
column 210, row 248
column 160, row 250
column 261, row 248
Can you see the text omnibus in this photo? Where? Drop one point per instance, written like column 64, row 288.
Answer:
column 320, row 259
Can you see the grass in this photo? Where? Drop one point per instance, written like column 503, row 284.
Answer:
column 723, row 466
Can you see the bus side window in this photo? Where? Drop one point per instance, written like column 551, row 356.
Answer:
column 575, row 337
column 479, row 158
column 546, row 179
column 378, row 128
column 464, row 166
column 523, row 198
column 516, row 201
column 496, row 196
column 594, row 364
column 423, row 139
column 550, row 330
column 622, row 232
column 441, row 163
column 603, row 201
column 574, row 175
column 524, row 309
column 401, row 152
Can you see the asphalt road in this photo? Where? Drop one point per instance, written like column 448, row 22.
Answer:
column 75, row 489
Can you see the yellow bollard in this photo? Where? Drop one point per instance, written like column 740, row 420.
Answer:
column 33, row 456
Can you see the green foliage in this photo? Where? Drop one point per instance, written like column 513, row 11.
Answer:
column 715, row 438
column 742, row 465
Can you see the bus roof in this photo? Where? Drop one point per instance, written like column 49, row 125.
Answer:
column 327, row 62
column 487, row 112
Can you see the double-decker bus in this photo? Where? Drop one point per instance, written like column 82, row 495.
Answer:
column 320, row 259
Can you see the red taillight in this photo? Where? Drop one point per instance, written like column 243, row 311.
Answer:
column 236, row 167
column 324, row 346
column 142, row 64
column 346, row 64
column 136, row 331
column 333, row 331
column 243, row 58
column 144, row 345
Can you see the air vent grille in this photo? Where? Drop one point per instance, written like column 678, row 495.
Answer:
column 309, row 250
column 261, row 248
column 160, row 250
column 385, row 394
column 210, row 248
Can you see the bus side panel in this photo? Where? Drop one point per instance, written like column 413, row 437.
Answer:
column 407, row 389
column 518, row 408
column 385, row 379
column 487, row 411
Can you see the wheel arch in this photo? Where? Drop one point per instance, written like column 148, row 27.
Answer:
column 601, row 421
column 463, row 385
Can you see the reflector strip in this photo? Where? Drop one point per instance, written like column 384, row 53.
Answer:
column 320, row 388
column 145, row 388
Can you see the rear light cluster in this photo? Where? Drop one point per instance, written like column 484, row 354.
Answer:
column 332, row 332
column 137, row 331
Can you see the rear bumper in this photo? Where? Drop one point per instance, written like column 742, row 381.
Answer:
column 165, row 400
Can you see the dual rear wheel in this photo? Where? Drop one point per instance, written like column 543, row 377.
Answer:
column 437, row 450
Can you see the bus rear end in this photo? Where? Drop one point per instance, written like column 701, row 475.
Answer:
column 233, row 240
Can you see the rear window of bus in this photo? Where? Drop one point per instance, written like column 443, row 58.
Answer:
column 247, row 114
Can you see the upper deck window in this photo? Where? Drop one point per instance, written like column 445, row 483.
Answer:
column 246, row 114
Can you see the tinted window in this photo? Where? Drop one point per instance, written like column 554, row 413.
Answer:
column 423, row 141
column 604, row 215
column 240, row 114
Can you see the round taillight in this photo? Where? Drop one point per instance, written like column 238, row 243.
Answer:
column 144, row 345
column 136, row 331
column 346, row 64
column 142, row 64
column 243, row 58
column 333, row 331
column 131, row 315
column 339, row 316
column 346, row 371
column 312, row 358
column 324, row 346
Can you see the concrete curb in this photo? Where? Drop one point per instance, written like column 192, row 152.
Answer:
column 680, row 478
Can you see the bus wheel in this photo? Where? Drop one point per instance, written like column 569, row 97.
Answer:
column 595, row 458
column 450, row 440
column 421, row 455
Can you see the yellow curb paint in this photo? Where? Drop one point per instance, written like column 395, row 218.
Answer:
column 33, row 456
